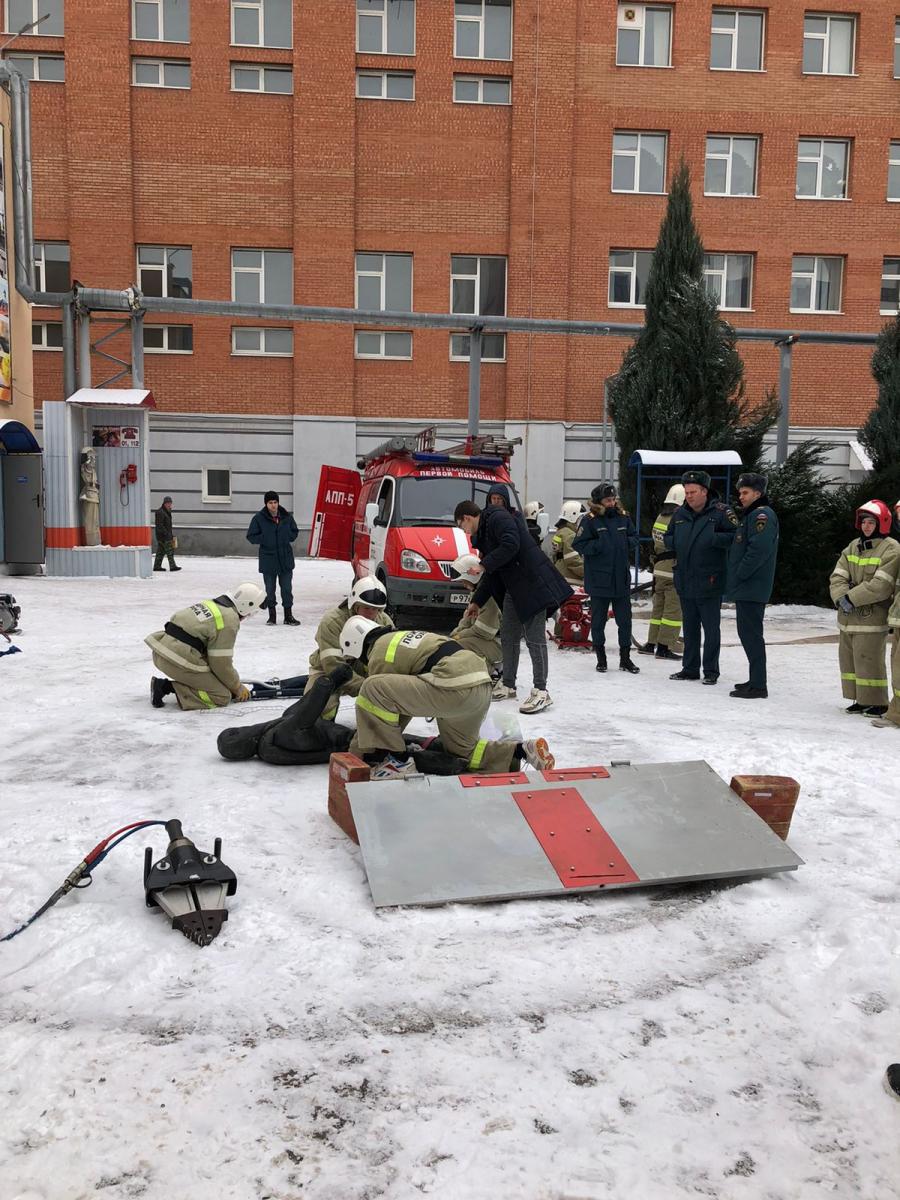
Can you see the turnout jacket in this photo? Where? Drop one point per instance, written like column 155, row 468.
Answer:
column 276, row 554
column 213, row 626
column 700, row 541
column 483, row 631
column 328, row 653
column 894, row 613
column 606, row 537
column 663, row 559
column 163, row 524
column 513, row 564
column 866, row 573
column 567, row 558
column 431, row 657
column 752, row 554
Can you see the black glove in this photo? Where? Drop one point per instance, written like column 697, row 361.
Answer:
column 340, row 675
column 845, row 604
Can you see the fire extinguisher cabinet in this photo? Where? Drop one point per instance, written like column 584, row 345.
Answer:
column 114, row 541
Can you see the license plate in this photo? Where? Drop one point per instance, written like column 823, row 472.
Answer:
column 459, row 598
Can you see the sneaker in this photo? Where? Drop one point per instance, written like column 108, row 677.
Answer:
column 892, row 1080
column 647, row 648
column 537, row 754
column 536, row 702
column 394, row 768
column 159, row 689
column 875, row 710
column 502, row 692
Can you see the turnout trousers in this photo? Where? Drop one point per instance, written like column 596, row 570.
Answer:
column 600, row 606
column 193, row 689
column 863, row 670
column 386, row 704
column 750, row 616
column 706, row 615
column 665, row 617
column 893, row 712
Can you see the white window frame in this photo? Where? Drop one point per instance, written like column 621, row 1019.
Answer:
column 261, row 68
column 636, row 155
column 729, row 160
column 819, row 160
column 479, row 21
column 140, row 267
column 42, row 344
column 260, row 270
column 160, row 25
column 739, row 12
column 161, row 64
column 13, row 57
column 380, row 334
column 632, row 271
column 262, row 352
column 479, row 258
column 384, row 49
column 826, row 39
column 40, row 262
column 893, row 161
column 890, row 312
column 383, row 76
column 165, row 348
column 259, row 6
column 896, row 47
column 381, row 276
column 481, row 80
column 814, row 278
column 723, row 276
column 38, row 8
column 204, row 485
column 670, row 9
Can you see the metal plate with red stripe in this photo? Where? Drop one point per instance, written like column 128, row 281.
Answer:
column 580, row 850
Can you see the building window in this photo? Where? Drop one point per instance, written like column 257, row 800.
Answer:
column 730, row 166
column 480, row 89
column 629, row 271
column 261, row 79
column 478, row 288
column 390, row 344
column 897, row 48
column 816, row 284
column 828, row 44
column 385, row 85
column 168, row 339
column 483, row 29
column 386, row 26
column 383, row 284
column 644, row 36
column 890, row 287
column 47, row 335
column 52, row 272
column 822, row 169
column 274, row 343
column 729, row 279
column 20, row 13
column 893, row 192
column 161, row 20
column 215, row 485
column 261, row 23
column 165, row 271
column 262, row 276
column 737, row 40
column 39, row 68
column 160, row 73
column 639, row 162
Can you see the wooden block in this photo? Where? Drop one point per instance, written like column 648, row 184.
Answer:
column 344, row 769
column 772, row 797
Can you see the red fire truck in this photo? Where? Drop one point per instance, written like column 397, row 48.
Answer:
column 395, row 519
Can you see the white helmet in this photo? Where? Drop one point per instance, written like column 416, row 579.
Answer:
column 532, row 508
column 354, row 634
column 247, row 598
column 467, row 567
column 675, row 494
column 369, row 591
column 571, row 511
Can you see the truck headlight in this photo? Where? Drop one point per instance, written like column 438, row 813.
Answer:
column 411, row 561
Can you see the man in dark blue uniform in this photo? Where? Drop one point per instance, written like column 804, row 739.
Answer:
column 751, row 573
column 700, row 533
column 605, row 539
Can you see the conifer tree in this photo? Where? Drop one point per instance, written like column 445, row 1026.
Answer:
column 881, row 432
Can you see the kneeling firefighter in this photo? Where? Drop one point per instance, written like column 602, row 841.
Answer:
column 367, row 598
column 416, row 674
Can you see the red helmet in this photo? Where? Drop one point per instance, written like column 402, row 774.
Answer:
column 877, row 509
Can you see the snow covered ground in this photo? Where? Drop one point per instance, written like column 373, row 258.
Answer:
column 717, row 1041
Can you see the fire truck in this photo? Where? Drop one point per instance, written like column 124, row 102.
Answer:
column 393, row 518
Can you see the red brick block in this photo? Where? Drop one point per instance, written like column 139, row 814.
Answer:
column 771, row 797
column 344, row 769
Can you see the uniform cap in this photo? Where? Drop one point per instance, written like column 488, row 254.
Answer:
column 700, row 478
column 752, row 479
column 603, row 491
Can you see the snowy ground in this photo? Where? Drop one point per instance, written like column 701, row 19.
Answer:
column 715, row 1041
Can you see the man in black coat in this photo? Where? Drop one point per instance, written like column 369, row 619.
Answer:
column 165, row 538
column 273, row 529
column 525, row 584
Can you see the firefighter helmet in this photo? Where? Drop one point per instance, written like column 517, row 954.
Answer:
column 571, row 511
column 467, row 567
column 353, row 636
column 879, row 511
column 532, row 508
column 369, row 591
column 247, row 599
column 675, row 494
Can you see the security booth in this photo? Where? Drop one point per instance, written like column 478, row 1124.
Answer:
column 667, row 467
column 97, row 454
column 21, row 500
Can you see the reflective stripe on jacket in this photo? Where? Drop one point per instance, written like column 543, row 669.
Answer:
column 866, row 573
column 328, row 639
column 407, row 652
column 215, row 623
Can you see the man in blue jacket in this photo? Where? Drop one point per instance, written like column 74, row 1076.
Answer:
column 273, row 529
column 525, row 584
column 700, row 533
column 751, row 573
column 606, row 539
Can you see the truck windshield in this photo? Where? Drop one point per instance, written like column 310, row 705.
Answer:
column 433, row 501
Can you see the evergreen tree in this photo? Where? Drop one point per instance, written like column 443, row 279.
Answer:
column 881, row 433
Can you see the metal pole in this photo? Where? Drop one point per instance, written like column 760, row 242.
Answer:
column 637, row 523
column 785, row 347
column 70, row 384
column 474, row 378
column 137, row 349
column 84, row 349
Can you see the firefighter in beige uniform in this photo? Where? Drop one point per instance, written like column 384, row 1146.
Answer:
column 567, row 561
column 665, row 617
column 416, row 674
column 862, row 587
column 482, row 633
column 196, row 651
column 892, row 716
column 367, row 598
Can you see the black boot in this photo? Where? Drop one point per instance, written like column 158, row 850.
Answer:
column 625, row 663
column 648, row 648
column 289, row 618
column 159, row 689
column 601, row 660
column 271, row 620
column 666, row 652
